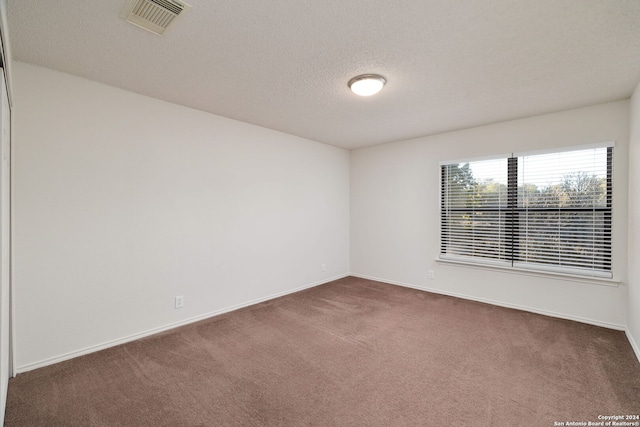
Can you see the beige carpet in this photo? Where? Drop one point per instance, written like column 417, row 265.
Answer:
column 352, row 352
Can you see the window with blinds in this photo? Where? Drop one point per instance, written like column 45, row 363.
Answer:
column 541, row 211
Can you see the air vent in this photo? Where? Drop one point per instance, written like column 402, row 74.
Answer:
column 152, row 15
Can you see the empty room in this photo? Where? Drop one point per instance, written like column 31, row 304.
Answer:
column 290, row 213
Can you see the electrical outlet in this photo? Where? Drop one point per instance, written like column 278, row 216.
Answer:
column 323, row 267
column 179, row 301
column 432, row 275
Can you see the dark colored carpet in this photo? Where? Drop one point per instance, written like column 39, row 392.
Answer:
column 351, row 352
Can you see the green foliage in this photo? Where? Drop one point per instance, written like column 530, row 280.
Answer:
column 576, row 190
column 555, row 221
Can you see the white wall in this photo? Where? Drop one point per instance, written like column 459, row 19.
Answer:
column 5, row 239
column 633, row 309
column 395, row 213
column 5, row 212
column 123, row 202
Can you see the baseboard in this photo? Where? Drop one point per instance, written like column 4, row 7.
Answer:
column 144, row 334
column 633, row 343
column 499, row 303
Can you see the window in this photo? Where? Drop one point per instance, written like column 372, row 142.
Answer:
column 541, row 211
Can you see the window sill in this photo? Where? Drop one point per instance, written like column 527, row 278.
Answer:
column 524, row 272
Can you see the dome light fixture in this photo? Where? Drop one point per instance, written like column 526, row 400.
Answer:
column 366, row 84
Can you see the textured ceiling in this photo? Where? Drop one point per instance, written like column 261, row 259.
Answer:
column 284, row 64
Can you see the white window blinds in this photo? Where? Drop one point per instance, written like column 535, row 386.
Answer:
column 474, row 211
column 548, row 211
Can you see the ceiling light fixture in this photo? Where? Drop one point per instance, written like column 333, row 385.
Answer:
column 366, row 84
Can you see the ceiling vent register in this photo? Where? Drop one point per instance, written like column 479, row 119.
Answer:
column 152, row 15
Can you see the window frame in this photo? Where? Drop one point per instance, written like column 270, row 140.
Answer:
column 511, row 262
